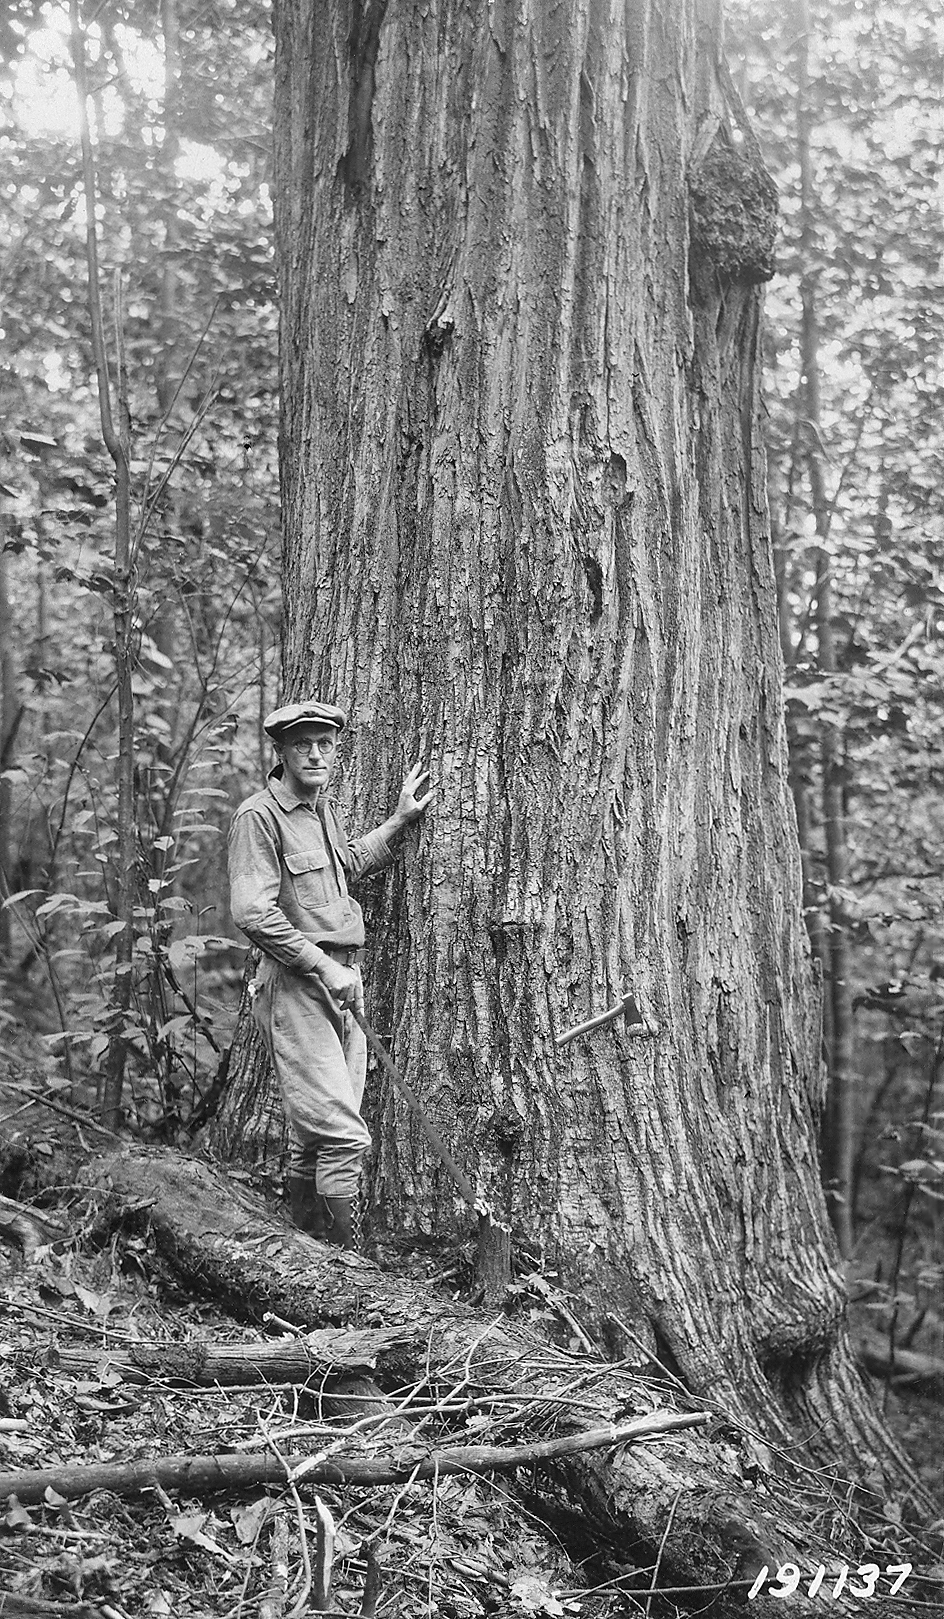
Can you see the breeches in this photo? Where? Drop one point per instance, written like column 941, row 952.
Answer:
column 319, row 1055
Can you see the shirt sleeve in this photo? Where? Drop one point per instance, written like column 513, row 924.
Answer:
column 255, row 878
column 370, row 852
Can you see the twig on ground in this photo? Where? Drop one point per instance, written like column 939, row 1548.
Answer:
column 101, row 1328
column 69, row 1113
column 520, row 1404
column 434, row 1544
column 270, row 1317
column 542, row 1289
column 388, row 1521
column 272, row 1605
column 306, row 1578
column 324, row 1560
column 300, row 1516
column 665, row 1535
column 372, row 1582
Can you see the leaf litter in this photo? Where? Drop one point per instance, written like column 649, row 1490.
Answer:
column 459, row 1547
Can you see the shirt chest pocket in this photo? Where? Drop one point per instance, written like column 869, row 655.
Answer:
column 312, row 879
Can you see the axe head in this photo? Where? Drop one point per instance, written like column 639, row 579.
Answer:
column 625, row 1007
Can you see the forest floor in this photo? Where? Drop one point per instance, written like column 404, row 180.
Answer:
column 460, row 1547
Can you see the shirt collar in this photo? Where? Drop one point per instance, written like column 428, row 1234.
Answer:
column 283, row 795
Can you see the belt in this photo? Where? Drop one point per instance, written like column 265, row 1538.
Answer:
column 347, row 954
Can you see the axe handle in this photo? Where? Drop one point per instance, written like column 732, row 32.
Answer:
column 623, row 1006
column 410, row 1097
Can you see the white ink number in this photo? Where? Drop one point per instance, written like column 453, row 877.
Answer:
column 788, row 1577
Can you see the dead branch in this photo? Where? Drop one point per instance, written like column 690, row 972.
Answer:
column 272, row 1605
column 14, row 1606
column 26, row 1229
column 204, row 1475
column 297, row 1361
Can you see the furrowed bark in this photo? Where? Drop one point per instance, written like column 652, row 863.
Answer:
column 527, row 540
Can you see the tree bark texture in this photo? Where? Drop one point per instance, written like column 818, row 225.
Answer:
column 224, row 1242
column 526, row 539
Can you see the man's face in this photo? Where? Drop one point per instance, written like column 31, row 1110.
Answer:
column 308, row 755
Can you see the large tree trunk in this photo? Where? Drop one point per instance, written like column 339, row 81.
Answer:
column 526, row 538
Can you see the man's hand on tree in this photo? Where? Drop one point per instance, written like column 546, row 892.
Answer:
column 413, row 800
column 342, row 983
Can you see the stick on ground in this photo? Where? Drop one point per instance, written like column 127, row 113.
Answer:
column 199, row 1475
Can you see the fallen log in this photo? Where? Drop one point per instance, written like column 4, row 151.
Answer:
column 690, row 1504
column 900, row 1365
column 15, row 1606
column 301, row 1361
column 25, row 1228
column 204, row 1475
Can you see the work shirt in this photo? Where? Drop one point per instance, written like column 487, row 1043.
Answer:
column 289, row 866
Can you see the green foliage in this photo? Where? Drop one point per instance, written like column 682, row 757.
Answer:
column 184, row 231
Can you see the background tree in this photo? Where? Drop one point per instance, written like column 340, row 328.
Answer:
column 845, row 100
column 526, row 537
column 178, row 103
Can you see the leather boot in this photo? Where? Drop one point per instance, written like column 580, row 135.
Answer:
column 306, row 1206
column 341, row 1228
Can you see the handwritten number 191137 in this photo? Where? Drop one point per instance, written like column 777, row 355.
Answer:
column 788, row 1578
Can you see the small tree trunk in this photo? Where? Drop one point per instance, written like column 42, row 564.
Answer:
column 248, row 1126
column 9, row 720
column 118, row 446
column 839, row 1131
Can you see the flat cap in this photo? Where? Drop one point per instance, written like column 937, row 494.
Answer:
column 282, row 720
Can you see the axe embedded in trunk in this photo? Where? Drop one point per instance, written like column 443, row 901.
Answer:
column 624, row 1008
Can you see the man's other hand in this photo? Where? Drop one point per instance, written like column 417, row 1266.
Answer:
column 415, row 794
column 342, row 983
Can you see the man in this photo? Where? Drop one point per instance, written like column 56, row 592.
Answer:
column 289, row 867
